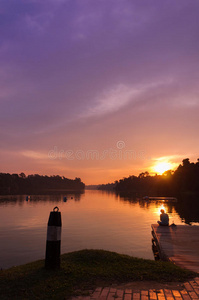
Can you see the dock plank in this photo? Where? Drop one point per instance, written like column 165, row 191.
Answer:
column 179, row 244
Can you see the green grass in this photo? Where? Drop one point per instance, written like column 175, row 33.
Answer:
column 81, row 271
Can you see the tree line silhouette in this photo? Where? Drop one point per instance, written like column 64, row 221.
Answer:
column 185, row 179
column 34, row 184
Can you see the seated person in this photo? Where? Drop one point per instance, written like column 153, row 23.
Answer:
column 164, row 218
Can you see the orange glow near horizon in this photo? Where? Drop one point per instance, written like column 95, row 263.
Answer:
column 162, row 167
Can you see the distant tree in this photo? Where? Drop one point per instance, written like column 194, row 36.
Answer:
column 77, row 179
column 34, row 183
column 185, row 162
column 184, row 179
column 141, row 175
column 22, row 175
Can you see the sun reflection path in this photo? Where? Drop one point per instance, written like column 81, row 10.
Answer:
column 162, row 207
column 172, row 214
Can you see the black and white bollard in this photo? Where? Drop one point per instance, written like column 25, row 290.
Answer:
column 53, row 242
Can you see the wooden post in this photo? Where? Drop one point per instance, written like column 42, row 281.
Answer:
column 53, row 242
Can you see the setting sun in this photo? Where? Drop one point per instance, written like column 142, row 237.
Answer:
column 161, row 167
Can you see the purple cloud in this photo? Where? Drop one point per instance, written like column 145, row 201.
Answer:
column 70, row 68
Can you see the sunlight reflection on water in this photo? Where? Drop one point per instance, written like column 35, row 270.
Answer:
column 95, row 219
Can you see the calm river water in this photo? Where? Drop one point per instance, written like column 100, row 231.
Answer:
column 95, row 219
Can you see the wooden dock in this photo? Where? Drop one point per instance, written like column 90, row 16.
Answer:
column 179, row 244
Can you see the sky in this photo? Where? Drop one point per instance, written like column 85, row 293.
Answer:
column 98, row 89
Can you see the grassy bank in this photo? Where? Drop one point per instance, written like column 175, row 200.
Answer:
column 83, row 270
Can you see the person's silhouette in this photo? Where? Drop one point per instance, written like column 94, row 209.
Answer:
column 164, row 218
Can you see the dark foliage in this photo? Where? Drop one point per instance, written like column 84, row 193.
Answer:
column 32, row 184
column 185, row 179
column 107, row 187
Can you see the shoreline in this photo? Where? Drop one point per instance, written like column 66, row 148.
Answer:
column 85, row 270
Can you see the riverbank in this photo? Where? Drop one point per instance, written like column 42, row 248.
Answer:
column 82, row 271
